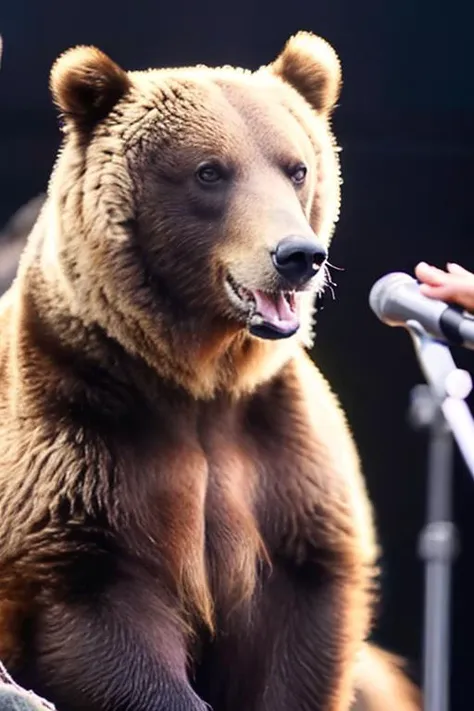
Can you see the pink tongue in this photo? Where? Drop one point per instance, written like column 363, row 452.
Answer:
column 276, row 310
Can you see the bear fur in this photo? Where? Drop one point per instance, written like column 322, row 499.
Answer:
column 183, row 520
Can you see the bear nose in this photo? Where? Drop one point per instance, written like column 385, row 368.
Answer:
column 298, row 259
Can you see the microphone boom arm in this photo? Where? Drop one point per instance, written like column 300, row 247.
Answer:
column 449, row 385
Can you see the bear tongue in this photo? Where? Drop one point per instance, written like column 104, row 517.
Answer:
column 275, row 310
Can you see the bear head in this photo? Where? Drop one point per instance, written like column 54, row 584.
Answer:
column 190, row 209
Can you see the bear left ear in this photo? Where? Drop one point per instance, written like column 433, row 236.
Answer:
column 311, row 66
column 86, row 85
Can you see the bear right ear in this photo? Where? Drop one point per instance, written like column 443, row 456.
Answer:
column 311, row 66
column 86, row 85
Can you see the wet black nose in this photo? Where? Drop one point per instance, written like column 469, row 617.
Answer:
column 298, row 259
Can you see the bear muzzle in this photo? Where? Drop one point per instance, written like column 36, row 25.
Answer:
column 273, row 314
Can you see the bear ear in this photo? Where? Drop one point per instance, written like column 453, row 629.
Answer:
column 86, row 85
column 311, row 66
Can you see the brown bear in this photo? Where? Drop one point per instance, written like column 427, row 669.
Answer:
column 183, row 521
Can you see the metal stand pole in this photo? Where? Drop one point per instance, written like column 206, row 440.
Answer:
column 437, row 548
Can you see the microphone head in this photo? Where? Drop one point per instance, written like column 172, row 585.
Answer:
column 383, row 289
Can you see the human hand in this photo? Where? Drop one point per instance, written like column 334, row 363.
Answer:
column 455, row 286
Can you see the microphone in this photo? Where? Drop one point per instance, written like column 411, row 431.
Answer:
column 396, row 300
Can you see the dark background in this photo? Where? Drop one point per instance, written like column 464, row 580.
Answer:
column 405, row 123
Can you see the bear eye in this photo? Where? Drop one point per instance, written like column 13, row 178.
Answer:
column 209, row 173
column 298, row 173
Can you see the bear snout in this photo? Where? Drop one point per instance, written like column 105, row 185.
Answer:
column 298, row 259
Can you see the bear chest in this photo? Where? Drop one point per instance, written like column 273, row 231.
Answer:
column 199, row 484
column 222, row 497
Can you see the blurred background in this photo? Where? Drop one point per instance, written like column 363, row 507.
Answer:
column 406, row 126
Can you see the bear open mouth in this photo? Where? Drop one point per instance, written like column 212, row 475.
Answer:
column 269, row 315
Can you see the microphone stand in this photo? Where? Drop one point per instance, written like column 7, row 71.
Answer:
column 439, row 406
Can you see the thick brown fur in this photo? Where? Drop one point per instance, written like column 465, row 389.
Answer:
column 182, row 515
column 382, row 683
